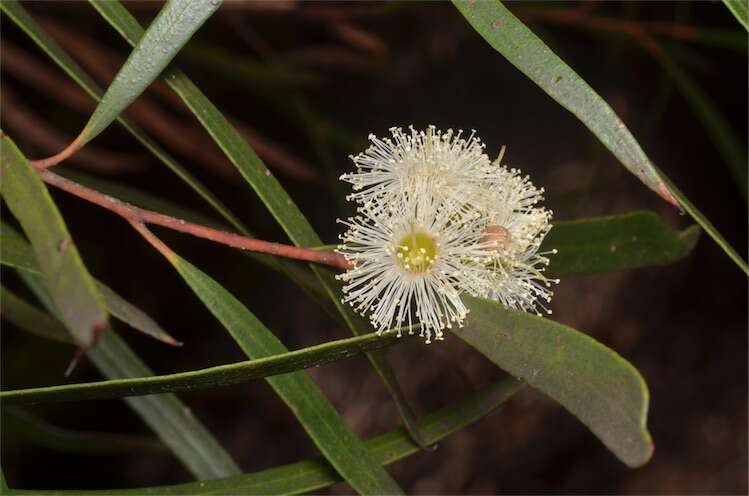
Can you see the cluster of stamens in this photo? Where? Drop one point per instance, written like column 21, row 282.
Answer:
column 437, row 219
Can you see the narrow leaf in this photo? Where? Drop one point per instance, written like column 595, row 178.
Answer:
column 521, row 47
column 221, row 375
column 177, row 21
column 40, row 432
column 740, row 10
column 26, row 316
column 318, row 417
column 134, row 316
column 314, row 474
column 70, row 285
column 617, row 242
column 594, row 383
column 171, row 419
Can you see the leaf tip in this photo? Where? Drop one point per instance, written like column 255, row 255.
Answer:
column 666, row 194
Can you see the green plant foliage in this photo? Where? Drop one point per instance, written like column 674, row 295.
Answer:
column 740, row 10
column 171, row 419
column 42, row 433
column 265, row 185
column 314, row 474
column 24, row 21
column 223, row 375
column 173, row 27
column 617, row 242
column 26, row 316
column 594, row 383
column 70, row 285
column 313, row 410
column 521, row 47
column 17, row 253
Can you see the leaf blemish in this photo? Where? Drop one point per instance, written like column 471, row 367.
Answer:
column 63, row 244
column 496, row 24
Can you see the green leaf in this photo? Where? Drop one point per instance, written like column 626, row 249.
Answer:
column 70, row 285
column 134, row 316
column 40, row 432
column 221, row 375
column 173, row 27
column 594, row 383
column 26, row 316
column 223, row 133
column 740, row 10
column 17, row 253
column 617, row 242
column 318, row 417
column 24, row 21
column 3, row 485
column 523, row 49
column 314, row 474
column 268, row 189
column 171, row 419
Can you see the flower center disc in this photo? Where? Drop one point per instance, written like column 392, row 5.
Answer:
column 416, row 252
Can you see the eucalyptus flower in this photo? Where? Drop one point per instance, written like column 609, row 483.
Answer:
column 436, row 218
column 446, row 166
column 411, row 263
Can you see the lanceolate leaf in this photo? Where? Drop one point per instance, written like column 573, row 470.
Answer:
column 173, row 27
column 314, row 474
column 17, row 253
column 740, row 10
column 268, row 189
column 26, row 316
column 617, row 242
column 591, row 381
column 523, row 49
column 70, row 285
column 318, row 417
column 222, row 375
column 171, row 419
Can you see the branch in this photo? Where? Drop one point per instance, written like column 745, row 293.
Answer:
column 138, row 217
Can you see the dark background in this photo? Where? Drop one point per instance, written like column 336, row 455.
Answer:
column 330, row 73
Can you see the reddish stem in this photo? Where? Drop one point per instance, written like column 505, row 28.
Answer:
column 56, row 159
column 138, row 216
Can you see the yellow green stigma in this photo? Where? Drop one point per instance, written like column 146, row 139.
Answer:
column 416, row 252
